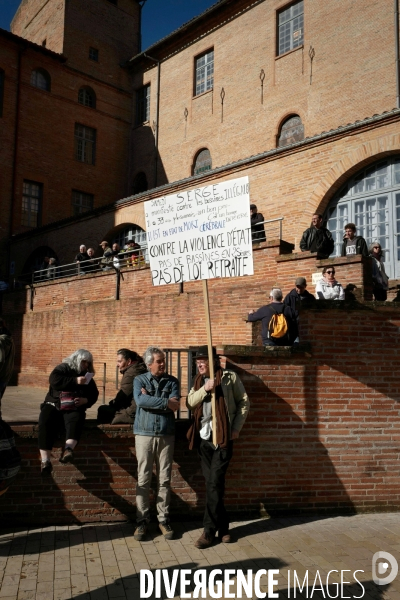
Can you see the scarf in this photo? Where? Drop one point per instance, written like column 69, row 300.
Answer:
column 221, row 414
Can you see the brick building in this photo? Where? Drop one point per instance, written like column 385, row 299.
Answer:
column 304, row 100
column 65, row 115
column 301, row 96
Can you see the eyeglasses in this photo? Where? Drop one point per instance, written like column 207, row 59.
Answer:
column 330, row 272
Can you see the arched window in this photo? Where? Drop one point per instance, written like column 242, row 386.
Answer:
column 129, row 233
column 202, row 162
column 87, row 97
column 292, row 131
column 140, row 183
column 371, row 200
column 41, row 79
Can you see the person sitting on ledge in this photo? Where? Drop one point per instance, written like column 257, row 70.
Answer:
column 123, row 408
column 272, row 321
column 72, row 390
column 352, row 243
column 327, row 287
column 317, row 238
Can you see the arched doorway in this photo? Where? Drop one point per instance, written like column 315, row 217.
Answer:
column 371, row 200
column 35, row 261
column 127, row 232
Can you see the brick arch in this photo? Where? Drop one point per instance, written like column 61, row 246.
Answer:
column 119, row 228
column 128, row 215
column 348, row 165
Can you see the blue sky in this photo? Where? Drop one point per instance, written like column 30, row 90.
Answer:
column 160, row 17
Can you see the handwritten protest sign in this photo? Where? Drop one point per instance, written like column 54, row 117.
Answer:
column 200, row 234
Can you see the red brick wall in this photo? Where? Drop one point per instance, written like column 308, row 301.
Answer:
column 323, row 429
column 321, row 436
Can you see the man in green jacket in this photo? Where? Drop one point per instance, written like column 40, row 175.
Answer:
column 232, row 406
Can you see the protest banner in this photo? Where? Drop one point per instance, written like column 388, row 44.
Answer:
column 201, row 234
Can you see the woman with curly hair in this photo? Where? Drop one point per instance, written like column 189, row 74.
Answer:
column 72, row 390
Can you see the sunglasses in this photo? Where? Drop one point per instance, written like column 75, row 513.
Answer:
column 330, row 272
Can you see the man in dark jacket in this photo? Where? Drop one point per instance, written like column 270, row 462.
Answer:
column 106, row 262
column 299, row 296
column 317, row 238
column 122, row 408
column 265, row 314
column 352, row 243
column 257, row 225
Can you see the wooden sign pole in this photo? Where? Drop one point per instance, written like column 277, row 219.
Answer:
column 210, row 358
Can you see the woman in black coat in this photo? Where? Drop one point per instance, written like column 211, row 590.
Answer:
column 72, row 390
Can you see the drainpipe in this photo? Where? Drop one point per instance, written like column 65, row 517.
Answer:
column 396, row 29
column 15, row 157
column 157, row 114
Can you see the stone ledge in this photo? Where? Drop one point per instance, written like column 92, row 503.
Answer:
column 267, row 351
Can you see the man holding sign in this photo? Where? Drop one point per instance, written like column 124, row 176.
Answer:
column 231, row 408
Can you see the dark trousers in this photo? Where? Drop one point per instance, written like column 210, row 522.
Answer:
column 380, row 294
column 52, row 421
column 214, row 464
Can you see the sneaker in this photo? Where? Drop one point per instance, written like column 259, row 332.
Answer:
column 140, row 532
column 205, row 540
column 166, row 530
column 68, row 456
column 46, row 468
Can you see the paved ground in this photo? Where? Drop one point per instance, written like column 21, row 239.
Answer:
column 98, row 562
column 23, row 404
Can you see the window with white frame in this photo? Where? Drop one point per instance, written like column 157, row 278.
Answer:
column 31, row 203
column 85, row 144
column 81, row 202
column 371, row 200
column 291, row 27
column 204, row 72
column 143, row 104
column 132, row 233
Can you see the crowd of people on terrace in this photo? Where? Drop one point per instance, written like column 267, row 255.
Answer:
column 114, row 257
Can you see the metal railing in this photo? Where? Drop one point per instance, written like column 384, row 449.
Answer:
column 271, row 229
column 93, row 265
